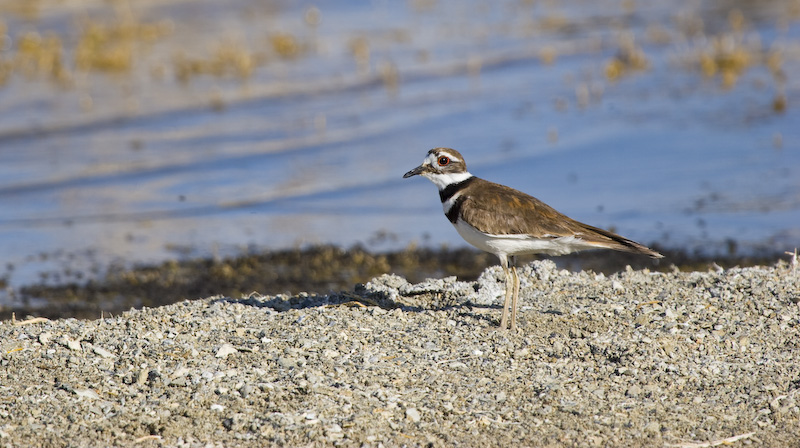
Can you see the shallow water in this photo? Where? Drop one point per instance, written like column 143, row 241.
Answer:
column 137, row 166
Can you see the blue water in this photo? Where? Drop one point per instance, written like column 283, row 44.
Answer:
column 312, row 149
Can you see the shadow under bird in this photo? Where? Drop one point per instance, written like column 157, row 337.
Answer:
column 506, row 222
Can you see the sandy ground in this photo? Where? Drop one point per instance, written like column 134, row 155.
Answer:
column 632, row 359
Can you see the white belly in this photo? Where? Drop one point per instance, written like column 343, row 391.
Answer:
column 520, row 244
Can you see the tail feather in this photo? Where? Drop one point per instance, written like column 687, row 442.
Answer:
column 610, row 240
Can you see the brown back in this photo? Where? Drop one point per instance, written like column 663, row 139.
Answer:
column 507, row 211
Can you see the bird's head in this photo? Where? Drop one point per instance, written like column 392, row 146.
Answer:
column 443, row 167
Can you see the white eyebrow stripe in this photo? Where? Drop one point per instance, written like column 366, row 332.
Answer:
column 451, row 156
column 434, row 156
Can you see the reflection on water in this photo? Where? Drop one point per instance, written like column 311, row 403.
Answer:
column 132, row 129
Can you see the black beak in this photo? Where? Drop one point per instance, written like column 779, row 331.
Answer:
column 418, row 170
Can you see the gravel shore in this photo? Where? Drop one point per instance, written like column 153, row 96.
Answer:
column 637, row 358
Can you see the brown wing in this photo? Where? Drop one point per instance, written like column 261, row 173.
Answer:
column 512, row 212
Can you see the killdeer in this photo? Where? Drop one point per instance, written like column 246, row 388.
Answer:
column 507, row 222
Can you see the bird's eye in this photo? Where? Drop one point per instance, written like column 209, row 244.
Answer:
column 443, row 161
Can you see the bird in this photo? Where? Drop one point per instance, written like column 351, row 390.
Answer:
column 507, row 222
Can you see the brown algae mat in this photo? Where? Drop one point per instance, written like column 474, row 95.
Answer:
column 637, row 358
column 322, row 269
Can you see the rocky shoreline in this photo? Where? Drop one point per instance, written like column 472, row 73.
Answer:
column 637, row 358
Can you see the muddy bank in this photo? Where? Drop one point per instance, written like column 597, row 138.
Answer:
column 71, row 292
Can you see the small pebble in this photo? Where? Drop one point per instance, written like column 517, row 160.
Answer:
column 413, row 415
column 225, row 350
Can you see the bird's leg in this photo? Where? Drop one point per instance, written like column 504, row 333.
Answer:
column 504, row 318
column 515, row 294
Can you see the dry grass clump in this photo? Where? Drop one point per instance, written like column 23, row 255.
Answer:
column 630, row 58
column 360, row 49
column 111, row 47
column 729, row 55
column 26, row 9
column 235, row 59
column 286, row 45
column 228, row 59
column 100, row 47
column 114, row 47
column 38, row 56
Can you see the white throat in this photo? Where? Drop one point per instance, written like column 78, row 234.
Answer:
column 443, row 180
